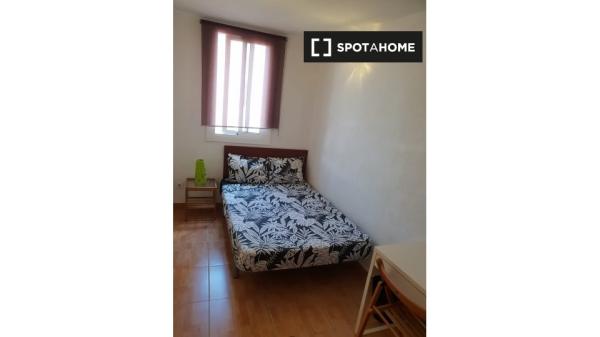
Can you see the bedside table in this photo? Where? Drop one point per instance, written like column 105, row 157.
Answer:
column 207, row 201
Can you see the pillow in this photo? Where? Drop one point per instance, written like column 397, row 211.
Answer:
column 251, row 170
column 285, row 170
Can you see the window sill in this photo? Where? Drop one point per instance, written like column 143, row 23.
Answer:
column 263, row 138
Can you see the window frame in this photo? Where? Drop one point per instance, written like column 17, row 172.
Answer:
column 242, row 135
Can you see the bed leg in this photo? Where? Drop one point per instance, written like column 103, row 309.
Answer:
column 234, row 271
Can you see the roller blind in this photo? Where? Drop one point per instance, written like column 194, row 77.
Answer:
column 242, row 73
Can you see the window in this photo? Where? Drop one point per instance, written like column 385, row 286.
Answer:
column 240, row 84
column 241, row 81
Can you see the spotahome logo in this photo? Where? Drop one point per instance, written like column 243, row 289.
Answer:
column 388, row 46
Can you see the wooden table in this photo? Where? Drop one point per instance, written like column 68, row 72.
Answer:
column 195, row 202
column 405, row 262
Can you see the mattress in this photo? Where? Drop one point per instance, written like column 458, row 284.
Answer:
column 286, row 226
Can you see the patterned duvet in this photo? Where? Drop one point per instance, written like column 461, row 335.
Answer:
column 284, row 226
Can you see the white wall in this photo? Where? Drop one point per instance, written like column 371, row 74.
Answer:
column 189, row 139
column 367, row 150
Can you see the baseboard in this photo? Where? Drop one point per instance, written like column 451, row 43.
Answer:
column 181, row 205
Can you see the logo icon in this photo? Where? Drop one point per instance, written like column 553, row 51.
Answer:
column 313, row 53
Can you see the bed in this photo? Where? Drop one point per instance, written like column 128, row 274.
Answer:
column 275, row 226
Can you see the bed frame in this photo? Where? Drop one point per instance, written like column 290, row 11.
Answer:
column 259, row 152
column 263, row 152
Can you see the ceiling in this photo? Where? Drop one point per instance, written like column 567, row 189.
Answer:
column 300, row 15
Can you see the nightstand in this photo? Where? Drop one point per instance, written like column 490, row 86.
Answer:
column 199, row 197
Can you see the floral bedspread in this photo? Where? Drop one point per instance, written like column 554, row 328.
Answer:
column 284, row 226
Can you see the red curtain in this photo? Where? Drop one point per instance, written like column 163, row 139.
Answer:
column 275, row 54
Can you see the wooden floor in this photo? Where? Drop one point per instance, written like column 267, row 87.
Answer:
column 317, row 302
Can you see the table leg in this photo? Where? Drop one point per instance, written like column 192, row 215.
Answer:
column 365, row 292
column 185, row 207
column 215, row 200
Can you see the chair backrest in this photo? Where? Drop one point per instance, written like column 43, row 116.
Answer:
column 416, row 310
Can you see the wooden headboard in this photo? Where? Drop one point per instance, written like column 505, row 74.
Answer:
column 263, row 152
